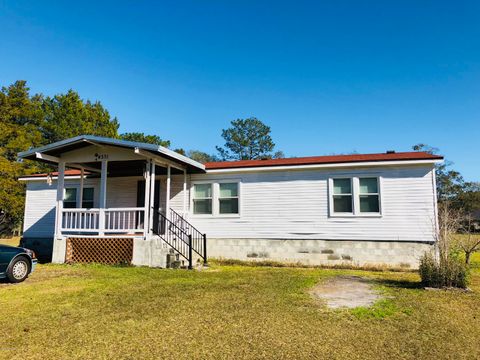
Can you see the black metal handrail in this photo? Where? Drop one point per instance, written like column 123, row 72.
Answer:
column 174, row 236
column 198, row 240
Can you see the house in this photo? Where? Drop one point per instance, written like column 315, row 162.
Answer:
column 120, row 201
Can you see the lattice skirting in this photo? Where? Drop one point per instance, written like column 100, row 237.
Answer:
column 99, row 250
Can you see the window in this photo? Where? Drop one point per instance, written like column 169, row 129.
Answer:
column 228, row 198
column 202, row 199
column 355, row 196
column 369, row 195
column 70, row 199
column 342, row 196
column 87, row 198
column 218, row 198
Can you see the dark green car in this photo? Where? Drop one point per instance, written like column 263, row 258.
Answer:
column 16, row 263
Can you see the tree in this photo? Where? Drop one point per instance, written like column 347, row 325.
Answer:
column 30, row 121
column 180, row 151
column 201, row 157
column 67, row 115
column 141, row 137
column 450, row 183
column 279, row 155
column 469, row 198
column 449, row 223
column 467, row 241
column 445, row 268
column 246, row 139
column 20, row 117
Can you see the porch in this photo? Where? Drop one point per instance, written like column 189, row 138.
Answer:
column 128, row 198
column 121, row 190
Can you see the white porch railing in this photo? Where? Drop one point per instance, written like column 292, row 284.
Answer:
column 112, row 220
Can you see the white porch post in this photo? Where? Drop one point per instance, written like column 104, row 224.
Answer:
column 82, row 174
column 152, row 198
column 184, row 192
column 167, row 202
column 103, row 197
column 60, row 190
column 59, row 243
column 146, row 216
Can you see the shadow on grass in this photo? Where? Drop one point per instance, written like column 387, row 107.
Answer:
column 399, row 284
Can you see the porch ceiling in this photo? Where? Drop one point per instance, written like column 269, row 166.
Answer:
column 129, row 168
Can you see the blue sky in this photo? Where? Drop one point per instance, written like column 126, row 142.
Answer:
column 327, row 76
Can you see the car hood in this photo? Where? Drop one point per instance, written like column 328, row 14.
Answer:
column 10, row 249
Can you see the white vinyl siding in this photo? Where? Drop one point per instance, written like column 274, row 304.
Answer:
column 39, row 219
column 277, row 204
column 295, row 205
column 40, row 202
column 121, row 192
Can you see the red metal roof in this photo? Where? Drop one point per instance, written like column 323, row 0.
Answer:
column 329, row 159
column 311, row 160
column 69, row 172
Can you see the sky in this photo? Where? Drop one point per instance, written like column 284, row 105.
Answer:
column 328, row 77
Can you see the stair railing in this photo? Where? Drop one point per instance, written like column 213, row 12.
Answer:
column 174, row 236
column 198, row 239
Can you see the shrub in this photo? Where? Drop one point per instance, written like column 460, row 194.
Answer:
column 448, row 272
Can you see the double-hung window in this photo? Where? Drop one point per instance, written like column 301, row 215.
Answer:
column 218, row 198
column 202, row 199
column 355, row 196
column 228, row 198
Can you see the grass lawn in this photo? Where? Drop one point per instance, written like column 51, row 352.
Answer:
column 229, row 312
column 13, row 241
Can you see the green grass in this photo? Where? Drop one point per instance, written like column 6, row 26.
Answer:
column 13, row 241
column 229, row 312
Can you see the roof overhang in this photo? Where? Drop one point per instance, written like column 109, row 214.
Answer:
column 51, row 153
column 325, row 166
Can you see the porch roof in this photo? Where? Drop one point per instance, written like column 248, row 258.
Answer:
column 57, row 148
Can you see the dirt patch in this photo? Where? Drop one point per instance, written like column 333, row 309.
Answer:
column 346, row 292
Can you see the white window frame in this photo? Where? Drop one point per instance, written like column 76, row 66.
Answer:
column 192, row 198
column 77, row 196
column 215, row 198
column 355, row 180
column 352, row 195
column 378, row 193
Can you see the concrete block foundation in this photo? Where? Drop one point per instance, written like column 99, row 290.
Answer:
column 321, row 252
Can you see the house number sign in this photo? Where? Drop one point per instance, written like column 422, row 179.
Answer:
column 99, row 157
